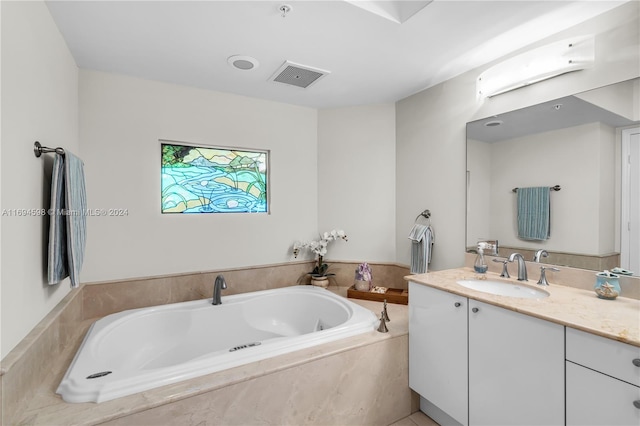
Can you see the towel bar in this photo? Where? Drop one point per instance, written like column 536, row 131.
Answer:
column 38, row 149
column 551, row 188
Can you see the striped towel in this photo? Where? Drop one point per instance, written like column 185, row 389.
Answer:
column 534, row 213
column 422, row 237
column 57, row 259
column 67, row 228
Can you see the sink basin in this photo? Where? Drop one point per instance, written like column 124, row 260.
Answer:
column 501, row 288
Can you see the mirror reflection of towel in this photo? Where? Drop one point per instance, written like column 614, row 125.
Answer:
column 422, row 237
column 534, row 212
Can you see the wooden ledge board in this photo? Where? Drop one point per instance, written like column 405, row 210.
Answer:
column 393, row 295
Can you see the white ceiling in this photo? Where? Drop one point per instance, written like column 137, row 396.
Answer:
column 372, row 58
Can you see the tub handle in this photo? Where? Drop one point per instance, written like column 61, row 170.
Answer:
column 382, row 328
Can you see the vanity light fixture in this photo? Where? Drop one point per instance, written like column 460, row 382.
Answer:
column 536, row 65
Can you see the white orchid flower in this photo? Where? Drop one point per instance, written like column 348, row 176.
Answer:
column 319, row 248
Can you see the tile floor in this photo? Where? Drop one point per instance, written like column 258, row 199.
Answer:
column 416, row 419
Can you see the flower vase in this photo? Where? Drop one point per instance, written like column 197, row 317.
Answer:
column 320, row 281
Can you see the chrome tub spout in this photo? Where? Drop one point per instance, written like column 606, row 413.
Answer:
column 218, row 286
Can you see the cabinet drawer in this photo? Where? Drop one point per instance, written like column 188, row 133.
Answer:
column 605, row 355
column 596, row 399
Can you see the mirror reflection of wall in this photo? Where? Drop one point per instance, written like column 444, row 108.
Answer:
column 574, row 142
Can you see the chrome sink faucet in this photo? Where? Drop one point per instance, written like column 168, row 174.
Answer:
column 540, row 253
column 218, row 286
column 522, row 266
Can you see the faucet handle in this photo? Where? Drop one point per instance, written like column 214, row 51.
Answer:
column 505, row 271
column 543, row 274
column 384, row 312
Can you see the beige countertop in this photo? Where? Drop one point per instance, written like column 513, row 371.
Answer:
column 617, row 319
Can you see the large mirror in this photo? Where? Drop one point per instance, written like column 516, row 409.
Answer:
column 576, row 143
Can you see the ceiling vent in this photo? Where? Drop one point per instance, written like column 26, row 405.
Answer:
column 298, row 75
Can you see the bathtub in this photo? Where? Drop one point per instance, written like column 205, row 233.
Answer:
column 140, row 349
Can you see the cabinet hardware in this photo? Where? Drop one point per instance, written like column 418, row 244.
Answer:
column 474, row 310
column 636, row 362
column 458, row 304
column 636, row 403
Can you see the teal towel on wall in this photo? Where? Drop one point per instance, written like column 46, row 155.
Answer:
column 534, row 212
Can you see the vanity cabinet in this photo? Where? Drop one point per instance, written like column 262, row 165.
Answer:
column 516, row 368
column 438, row 349
column 603, row 381
column 482, row 364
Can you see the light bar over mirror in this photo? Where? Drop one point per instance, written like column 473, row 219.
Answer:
column 536, row 65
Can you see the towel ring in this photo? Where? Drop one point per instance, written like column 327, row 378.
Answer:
column 426, row 214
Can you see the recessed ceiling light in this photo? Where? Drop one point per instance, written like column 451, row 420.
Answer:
column 493, row 123
column 241, row 62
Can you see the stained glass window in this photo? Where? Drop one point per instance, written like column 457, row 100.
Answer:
column 206, row 179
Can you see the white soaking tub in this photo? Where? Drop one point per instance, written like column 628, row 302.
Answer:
column 141, row 349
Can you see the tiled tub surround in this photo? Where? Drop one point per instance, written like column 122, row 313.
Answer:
column 100, row 299
column 32, row 371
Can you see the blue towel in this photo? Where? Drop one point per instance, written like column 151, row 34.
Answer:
column 57, row 259
column 534, row 212
column 422, row 237
column 67, row 229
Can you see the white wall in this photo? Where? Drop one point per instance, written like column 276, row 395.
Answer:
column 356, row 180
column 618, row 98
column 39, row 102
column 121, row 121
column 479, row 165
column 430, row 132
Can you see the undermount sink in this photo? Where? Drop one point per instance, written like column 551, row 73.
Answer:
column 501, row 288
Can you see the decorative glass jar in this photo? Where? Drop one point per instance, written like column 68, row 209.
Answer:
column 607, row 285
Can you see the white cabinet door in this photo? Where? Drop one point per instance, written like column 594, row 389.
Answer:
column 596, row 399
column 438, row 349
column 615, row 359
column 516, row 368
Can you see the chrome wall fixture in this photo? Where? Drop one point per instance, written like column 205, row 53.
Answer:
column 551, row 188
column 38, row 149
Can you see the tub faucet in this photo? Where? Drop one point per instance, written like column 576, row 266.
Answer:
column 218, row 286
column 522, row 266
column 540, row 253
